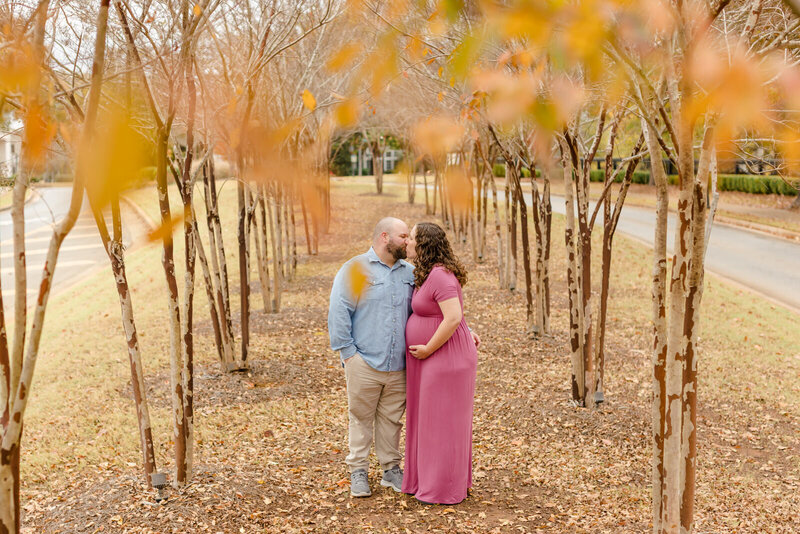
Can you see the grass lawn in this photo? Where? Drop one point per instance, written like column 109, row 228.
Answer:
column 271, row 443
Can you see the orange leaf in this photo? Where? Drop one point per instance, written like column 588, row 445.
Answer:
column 437, row 135
column 39, row 132
column 165, row 230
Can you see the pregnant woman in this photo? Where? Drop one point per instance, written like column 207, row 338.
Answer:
column 441, row 364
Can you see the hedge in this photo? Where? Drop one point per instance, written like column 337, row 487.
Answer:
column 499, row 170
column 745, row 183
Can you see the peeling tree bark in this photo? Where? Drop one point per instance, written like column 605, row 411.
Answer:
column 542, row 217
column 115, row 250
column 187, row 331
column 260, row 238
column 610, row 220
column 659, row 315
column 175, row 342
column 577, row 379
column 219, row 269
column 210, row 291
column 275, row 235
column 498, row 227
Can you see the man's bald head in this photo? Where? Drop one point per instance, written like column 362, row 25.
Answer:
column 389, row 239
column 390, row 225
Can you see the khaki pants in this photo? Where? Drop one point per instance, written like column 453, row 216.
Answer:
column 375, row 399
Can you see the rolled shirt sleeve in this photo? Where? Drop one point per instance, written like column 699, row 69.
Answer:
column 340, row 314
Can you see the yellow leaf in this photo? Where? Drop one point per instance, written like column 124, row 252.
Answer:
column 357, row 278
column 114, row 159
column 197, row 10
column 346, row 113
column 440, row 96
column 452, row 81
column 440, row 71
column 344, row 56
column 309, row 101
column 459, row 187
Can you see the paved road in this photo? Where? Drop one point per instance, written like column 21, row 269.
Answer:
column 81, row 251
column 766, row 264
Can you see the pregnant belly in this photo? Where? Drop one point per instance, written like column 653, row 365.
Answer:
column 420, row 329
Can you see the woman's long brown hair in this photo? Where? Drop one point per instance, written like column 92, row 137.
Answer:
column 434, row 249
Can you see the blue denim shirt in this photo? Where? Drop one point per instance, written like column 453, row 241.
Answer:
column 372, row 324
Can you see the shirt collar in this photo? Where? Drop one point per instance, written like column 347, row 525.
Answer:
column 372, row 256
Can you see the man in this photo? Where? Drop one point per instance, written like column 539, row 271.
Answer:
column 369, row 306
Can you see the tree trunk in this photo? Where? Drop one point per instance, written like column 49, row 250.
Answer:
column 425, row 188
column 512, row 243
column 275, row 236
column 474, row 224
column 577, row 380
column 659, row 313
column 189, row 274
column 305, row 222
column 526, row 249
column 210, row 292
column 498, row 227
column 377, row 166
column 412, row 182
column 691, row 328
column 541, row 224
column 795, row 203
column 610, row 221
column 175, row 344
column 115, row 250
column 219, row 269
column 443, row 200
column 291, row 234
column 585, row 282
column 244, row 267
column 18, row 391
column 261, row 251
column 436, row 180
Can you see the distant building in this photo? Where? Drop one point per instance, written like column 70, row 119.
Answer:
column 361, row 161
column 10, row 147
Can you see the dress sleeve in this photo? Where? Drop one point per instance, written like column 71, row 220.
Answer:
column 444, row 284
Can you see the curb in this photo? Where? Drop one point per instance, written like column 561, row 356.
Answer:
column 151, row 225
column 770, row 231
column 30, row 194
column 727, row 280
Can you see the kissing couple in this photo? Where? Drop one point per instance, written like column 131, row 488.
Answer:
column 406, row 347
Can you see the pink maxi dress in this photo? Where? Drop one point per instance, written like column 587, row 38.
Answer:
column 440, row 393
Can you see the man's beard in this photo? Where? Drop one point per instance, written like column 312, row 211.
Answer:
column 398, row 253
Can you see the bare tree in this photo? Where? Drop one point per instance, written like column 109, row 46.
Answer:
column 18, row 366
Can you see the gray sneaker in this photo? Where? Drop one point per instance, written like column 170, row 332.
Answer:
column 393, row 478
column 359, row 484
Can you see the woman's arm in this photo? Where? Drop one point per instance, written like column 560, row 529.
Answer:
column 451, row 310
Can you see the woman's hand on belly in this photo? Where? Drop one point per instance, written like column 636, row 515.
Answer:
column 420, row 352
